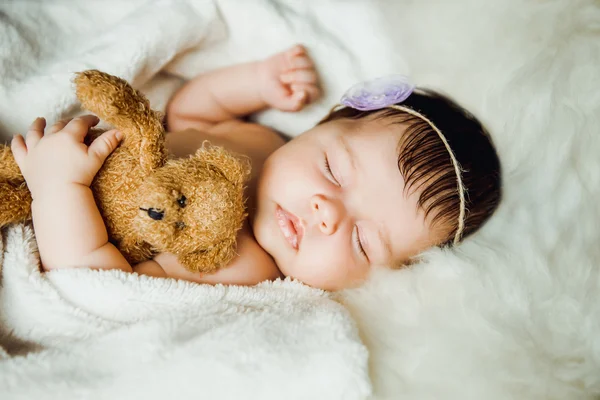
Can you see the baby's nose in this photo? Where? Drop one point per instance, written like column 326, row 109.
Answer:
column 329, row 213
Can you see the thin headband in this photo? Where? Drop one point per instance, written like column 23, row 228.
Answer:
column 457, row 169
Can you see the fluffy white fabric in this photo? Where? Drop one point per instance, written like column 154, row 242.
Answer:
column 513, row 313
column 109, row 334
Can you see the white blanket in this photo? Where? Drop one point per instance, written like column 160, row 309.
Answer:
column 109, row 334
column 515, row 313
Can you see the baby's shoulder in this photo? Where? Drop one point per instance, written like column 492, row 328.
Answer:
column 254, row 141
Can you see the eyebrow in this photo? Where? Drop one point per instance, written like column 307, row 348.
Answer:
column 349, row 153
column 387, row 250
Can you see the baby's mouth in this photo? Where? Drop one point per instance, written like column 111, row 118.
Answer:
column 290, row 225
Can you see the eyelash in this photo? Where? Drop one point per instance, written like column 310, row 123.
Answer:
column 329, row 172
column 359, row 244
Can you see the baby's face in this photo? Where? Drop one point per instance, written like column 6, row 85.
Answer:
column 328, row 229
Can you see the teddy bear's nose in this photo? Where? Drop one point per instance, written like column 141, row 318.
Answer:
column 154, row 214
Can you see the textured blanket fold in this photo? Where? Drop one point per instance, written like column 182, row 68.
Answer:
column 109, row 334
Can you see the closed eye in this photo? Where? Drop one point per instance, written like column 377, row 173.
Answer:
column 329, row 173
column 358, row 243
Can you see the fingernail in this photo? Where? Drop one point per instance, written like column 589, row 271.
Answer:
column 298, row 49
column 118, row 135
column 298, row 63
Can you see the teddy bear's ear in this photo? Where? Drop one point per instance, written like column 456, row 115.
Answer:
column 118, row 103
column 209, row 260
column 114, row 100
column 235, row 168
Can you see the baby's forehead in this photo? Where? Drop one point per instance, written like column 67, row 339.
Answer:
column 379, row 138
column 373, row 124
column 374, row 139
column 380, row 143
column 375, row 144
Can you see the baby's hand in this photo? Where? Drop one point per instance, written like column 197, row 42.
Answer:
column 288, row 80
column 60, row 157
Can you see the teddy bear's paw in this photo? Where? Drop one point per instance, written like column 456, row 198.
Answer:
column 9, row 170
column 211, row 259
column 15, row 203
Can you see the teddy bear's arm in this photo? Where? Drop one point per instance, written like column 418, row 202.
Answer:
column 15, row 199
column 15, row 203
column 133, row 250
column 209, row 260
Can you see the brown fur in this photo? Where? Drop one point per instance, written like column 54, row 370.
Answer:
column 139, row 175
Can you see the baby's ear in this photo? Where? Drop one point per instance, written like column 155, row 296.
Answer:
column 235, row 168
column 209, row 260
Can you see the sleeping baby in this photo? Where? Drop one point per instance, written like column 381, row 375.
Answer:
column 389, row 173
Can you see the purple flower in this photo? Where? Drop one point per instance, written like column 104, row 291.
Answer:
column 378, row 93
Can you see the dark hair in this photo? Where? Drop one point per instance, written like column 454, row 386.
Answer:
column 426, row 165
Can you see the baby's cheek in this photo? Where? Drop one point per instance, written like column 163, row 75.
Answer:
column 326, row 267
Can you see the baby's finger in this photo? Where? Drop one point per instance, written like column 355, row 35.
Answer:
column 301, row 62
column 296, row 50
column 35, row 132
column 80, row 126
column 312, row 91
column 294, row 102
column 59, row 125
column 300, row 76
column 105, row 144
column 18, row 148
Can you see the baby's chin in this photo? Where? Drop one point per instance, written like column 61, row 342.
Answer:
column 264, row 234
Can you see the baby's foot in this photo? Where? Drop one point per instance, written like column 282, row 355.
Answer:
column 288, row 80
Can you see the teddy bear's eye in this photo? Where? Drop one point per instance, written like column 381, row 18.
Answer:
column 181, row 201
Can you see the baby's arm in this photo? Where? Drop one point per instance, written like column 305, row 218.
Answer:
column 59, row 169
column 251, row 265
column 286, row 81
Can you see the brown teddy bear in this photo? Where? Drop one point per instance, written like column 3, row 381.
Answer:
column 191, row 207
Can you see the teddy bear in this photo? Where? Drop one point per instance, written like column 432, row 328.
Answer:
column 150, row 201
